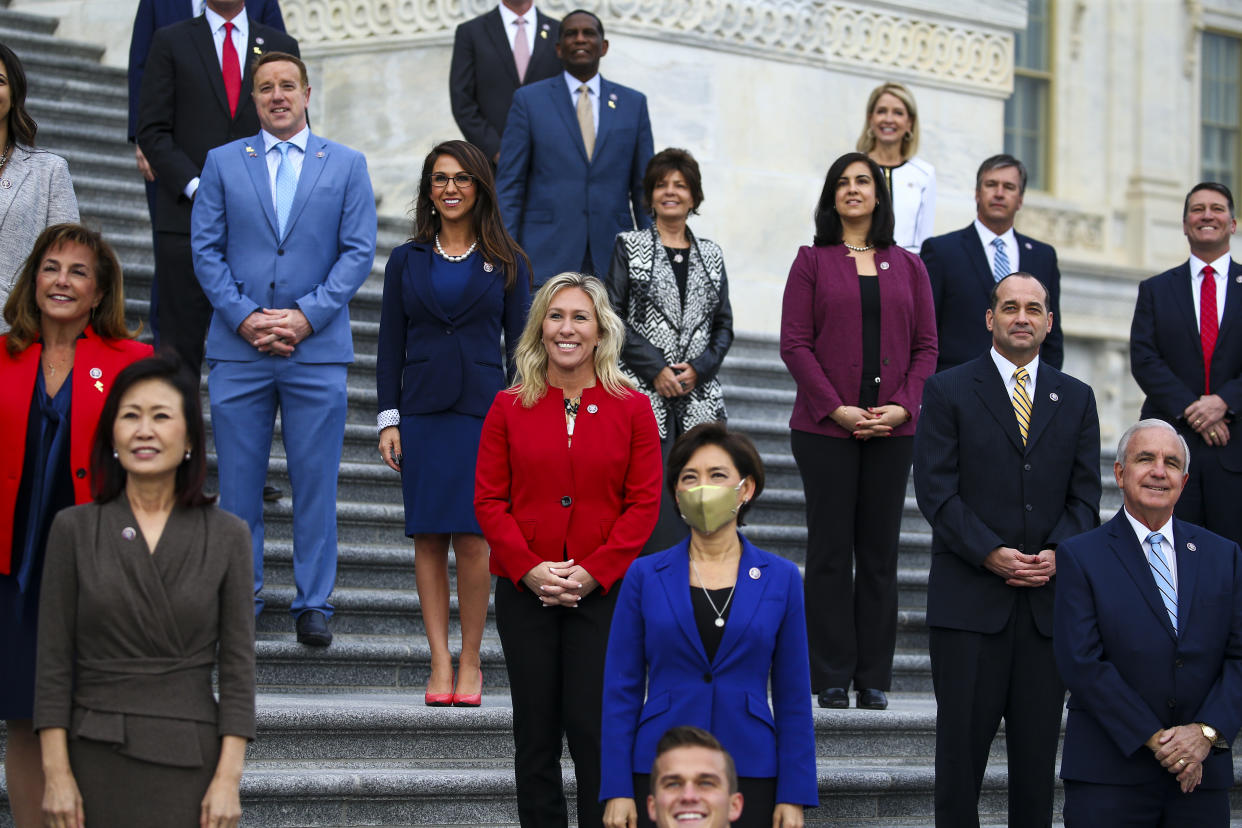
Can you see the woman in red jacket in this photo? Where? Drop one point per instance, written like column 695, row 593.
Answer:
column 567, row 490
column 67, row 342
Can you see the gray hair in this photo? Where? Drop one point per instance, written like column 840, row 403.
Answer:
column 1123, row 445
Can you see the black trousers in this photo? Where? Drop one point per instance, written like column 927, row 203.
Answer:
column 670, row 529
column 555, row 659
column 1213, row 494
column 981, row 678
column 855, row 493
column 1159, row 805
column 184, row 312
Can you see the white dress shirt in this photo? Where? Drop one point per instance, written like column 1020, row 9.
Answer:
column 272, row 156
column 1221, row 266
column 241, row 37
column 509, row 17
column 1011, row 246
column 592, row 87
column 1167, row 546
column 1007, row 368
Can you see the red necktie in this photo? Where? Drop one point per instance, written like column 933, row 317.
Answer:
column 1208, row 326
column 231, row 67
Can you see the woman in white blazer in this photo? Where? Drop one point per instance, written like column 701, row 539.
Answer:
column 891, row 138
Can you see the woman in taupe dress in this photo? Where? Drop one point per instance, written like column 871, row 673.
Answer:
column 140, row 588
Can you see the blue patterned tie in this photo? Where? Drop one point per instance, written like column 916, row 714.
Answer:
column 1164, row 577
column 1000, row 262
column 286, row 186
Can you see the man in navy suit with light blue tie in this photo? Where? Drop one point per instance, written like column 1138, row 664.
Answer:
column 572, row 159
column 1148, row 638
column 283, row 233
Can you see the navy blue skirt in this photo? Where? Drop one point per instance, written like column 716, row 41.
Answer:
column 437, row 476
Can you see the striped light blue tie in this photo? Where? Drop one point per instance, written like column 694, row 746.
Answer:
column 1000, row 262
column 286, row 186
column 1164, row 577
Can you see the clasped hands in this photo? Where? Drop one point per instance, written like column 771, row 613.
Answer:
column 865, row 423
column 1208, row 416
column 676, row 380
column 1021, row 570
column 559, row 583
column 1181, row 750
column 275, row 330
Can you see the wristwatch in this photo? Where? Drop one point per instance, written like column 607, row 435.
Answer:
column 1212, row 736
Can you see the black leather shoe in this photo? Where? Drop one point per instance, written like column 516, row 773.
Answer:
column 872, row 700
column 272, row 494
column 313, row 629
column 834, row 697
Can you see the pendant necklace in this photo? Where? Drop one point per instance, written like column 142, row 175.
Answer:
column 677, row 255
column 719, row 622
column 460, row 258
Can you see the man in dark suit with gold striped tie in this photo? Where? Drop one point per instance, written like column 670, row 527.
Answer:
column 1006, row 466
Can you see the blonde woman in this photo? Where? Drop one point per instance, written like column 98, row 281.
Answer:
column 567, row 490
column 891, row 139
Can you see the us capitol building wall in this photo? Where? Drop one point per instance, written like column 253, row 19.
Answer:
column 766, row 93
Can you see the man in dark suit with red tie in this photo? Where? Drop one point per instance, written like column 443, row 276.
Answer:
column 493, row 54
column 195, row 97
column 1186, row 355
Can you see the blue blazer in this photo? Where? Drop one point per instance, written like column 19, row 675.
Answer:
column 1166, row 356
column 318, row 265
column 433, row 358
column 1129, row 674
column 961, row 282
column 655, row 647
column 551, row 197
column 156, row 14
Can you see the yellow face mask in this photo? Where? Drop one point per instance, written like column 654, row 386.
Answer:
column 707, row 508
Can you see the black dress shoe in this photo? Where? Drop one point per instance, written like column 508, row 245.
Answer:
column 834, row 697
column 313, row 629
column 272, row 494
column 872, row 700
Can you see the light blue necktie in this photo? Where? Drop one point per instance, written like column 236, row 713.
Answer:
column 1164, row 577
column 1000, row 262
column 286, row 186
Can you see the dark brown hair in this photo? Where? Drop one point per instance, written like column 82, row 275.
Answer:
column 495, row 243
column 828, row 228
column 736, row 444
column 21, row 310
column 107, row 473
column 274, row 57
column 999, row 162
column 669, row 161
column 690, row 736
column 22, row 127
column 1215, row 187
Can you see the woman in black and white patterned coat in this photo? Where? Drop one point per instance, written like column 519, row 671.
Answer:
column 671, row 289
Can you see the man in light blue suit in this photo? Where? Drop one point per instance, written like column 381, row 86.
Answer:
column 572, row 159
column 283, row 233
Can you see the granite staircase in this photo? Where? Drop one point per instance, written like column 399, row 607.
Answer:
column 344, row 739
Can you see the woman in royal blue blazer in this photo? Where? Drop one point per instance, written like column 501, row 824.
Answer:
column 698, row 632
column 449, row 293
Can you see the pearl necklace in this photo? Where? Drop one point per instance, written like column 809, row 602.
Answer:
column 859, row 249
column 460, row 258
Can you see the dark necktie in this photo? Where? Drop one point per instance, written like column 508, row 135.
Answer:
column 1208, row 326
column 231, row 68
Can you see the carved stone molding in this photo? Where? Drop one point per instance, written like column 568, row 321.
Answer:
column 1194, row 25
column 1063, row 227
column 802, row 31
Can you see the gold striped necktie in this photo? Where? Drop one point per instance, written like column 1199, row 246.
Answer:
column 1022, row 402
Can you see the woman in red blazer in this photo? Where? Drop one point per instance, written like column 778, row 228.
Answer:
column 567, row 490
column 858, row 334
column 67, row 312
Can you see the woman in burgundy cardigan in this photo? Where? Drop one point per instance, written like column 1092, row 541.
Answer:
column 858, row 334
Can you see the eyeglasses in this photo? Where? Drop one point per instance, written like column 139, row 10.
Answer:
column 462, row 180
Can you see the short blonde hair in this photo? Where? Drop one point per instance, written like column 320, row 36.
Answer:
column 910, row 141
column 531, row 359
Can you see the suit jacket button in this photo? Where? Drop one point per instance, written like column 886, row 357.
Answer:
column 707, row 678
column 1027, row 467
column 1172, row 702
column 81, row 473
column 280, row 251
column 1028, row 507
column 886, row 360
column 1022, row 547
column 567, row 501
column 1178, row 662
column 271, row 285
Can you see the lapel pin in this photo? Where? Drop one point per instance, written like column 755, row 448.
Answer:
column 99, row 386
column 96, row 373
column 259, row 40
column 543, row 31
column 1053, row 396
column 754, row 573
column 250, row 151
column 1028, row 246
column 257, row 50
column 592, row 408
column 1191, row 547
column 883, row 265
column 612, row 104
column 128, row 533
column 612, row 96
column 1238, row 280
column 319, row 154
column 487, row 267
column 6, row 184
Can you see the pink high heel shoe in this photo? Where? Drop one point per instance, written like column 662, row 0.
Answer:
column 469, row 700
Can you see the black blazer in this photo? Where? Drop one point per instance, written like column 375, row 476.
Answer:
column 961, row 283
column 483, row 76
column 1166, row 356
column 183, row 111
column 979, row 488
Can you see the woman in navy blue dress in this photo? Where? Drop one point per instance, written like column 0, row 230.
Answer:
column 449, row 293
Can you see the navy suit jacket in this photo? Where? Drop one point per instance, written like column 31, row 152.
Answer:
column 655, row 646
column 961, row 282
column 483, row 76
column 432, row 358
column 1166, row 356
column 980, row 488
column 156, row 14
column 551, row 197
column 1129, row 674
